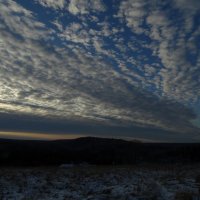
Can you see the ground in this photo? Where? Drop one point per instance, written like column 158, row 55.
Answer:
column 101, row 183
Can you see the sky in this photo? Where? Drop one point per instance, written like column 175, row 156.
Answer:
column 108, row 68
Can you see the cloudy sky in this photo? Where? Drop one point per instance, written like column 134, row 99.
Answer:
column 111, row 68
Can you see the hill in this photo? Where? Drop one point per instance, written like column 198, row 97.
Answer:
column 94, row 151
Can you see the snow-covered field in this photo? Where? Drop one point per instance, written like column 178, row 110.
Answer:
column 100, row 183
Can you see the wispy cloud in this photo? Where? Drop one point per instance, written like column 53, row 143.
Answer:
column 58, row 4
column 85, row 6
column 173, row 40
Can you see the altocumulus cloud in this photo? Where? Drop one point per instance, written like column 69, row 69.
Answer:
column 130, row 68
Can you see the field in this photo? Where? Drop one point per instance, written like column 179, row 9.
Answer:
column 148, row 182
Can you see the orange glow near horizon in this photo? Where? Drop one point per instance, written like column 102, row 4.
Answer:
column 37, row 136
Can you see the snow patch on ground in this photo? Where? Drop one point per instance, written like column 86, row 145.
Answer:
column 99, row 183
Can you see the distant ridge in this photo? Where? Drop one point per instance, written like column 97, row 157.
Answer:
column 94, row 150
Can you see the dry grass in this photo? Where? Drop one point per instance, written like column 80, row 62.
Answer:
column 184, row 196
column 99, row 182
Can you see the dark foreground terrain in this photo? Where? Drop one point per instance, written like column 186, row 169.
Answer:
column 94, row 151
column 101, row 183
column 98, row 169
